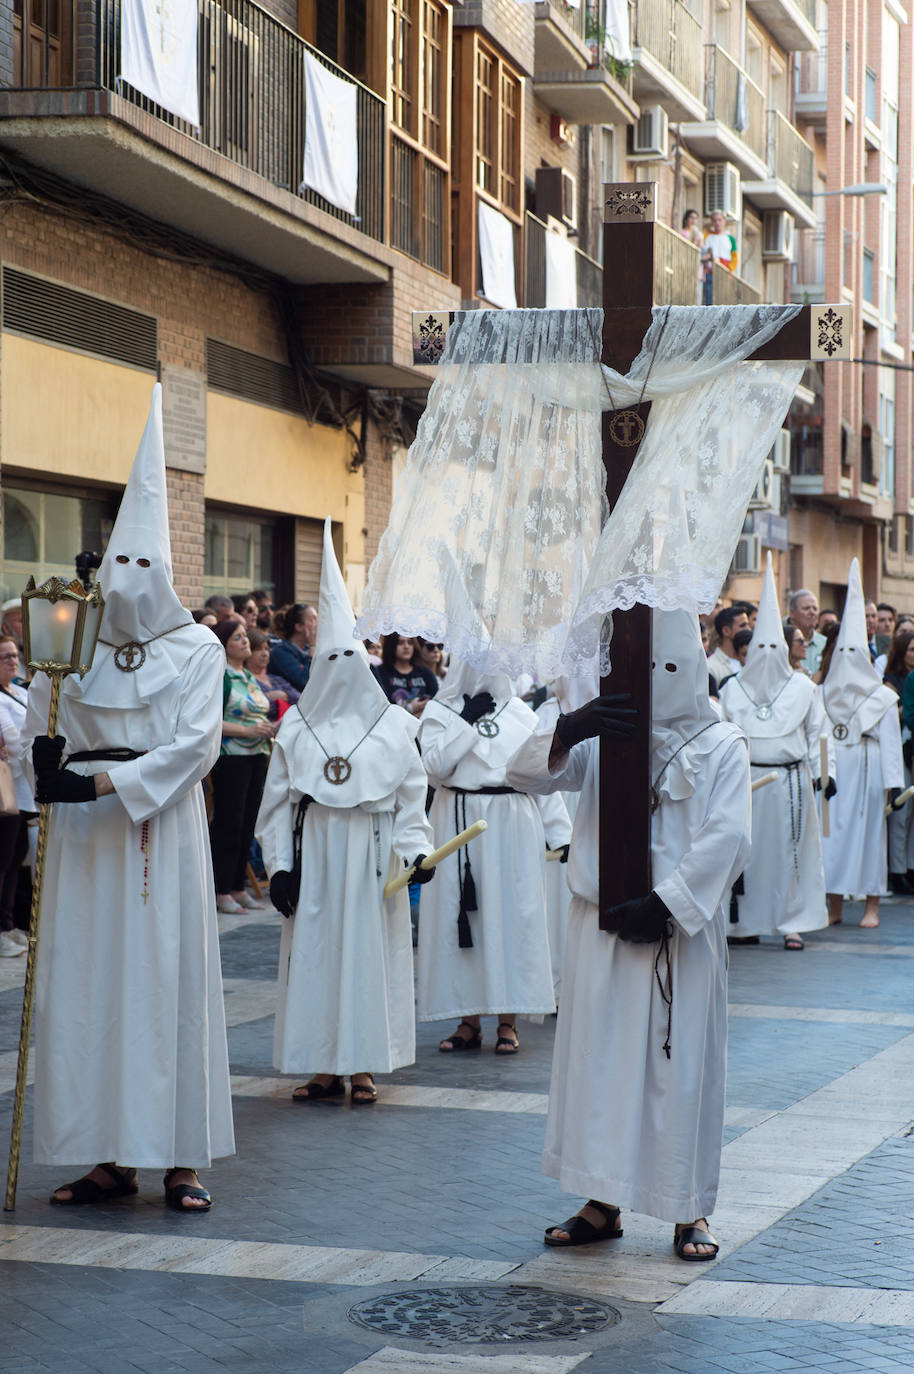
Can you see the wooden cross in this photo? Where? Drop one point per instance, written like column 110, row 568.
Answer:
column 631, row 249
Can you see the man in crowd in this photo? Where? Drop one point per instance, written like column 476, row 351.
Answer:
column 804, row 612
column 724, row 661
column 871, row 612
column 826, row 618
column 721, row 248
column 222, row 607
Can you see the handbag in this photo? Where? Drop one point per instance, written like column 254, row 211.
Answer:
column 9, row 806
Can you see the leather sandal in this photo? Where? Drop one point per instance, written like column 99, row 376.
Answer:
column 452, row 1043
column 368, row 1093
column 504, row 1044
column 793, row 942
column 583, row 1232
column 86, row 1190
column 174, row 1195
column 693, row 1235
column 320, row 1092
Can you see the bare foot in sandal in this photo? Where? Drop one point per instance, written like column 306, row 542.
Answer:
column 102, row 1184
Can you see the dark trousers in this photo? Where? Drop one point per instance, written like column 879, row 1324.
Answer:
column 14, row 845
column 237, row 789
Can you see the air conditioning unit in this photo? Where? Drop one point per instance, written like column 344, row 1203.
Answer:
column 780, row 454
column 748, row 556
column 777, row 236
column 762, row 498
column 556, row 195
column 650, row 136
column 722, row 190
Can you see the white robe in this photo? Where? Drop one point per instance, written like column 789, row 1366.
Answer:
column 131, row 1060
column 346, row 959
column 558, row 893
column 784, row 880
column 626, row 1125
column 508, row 968
column 855, row 851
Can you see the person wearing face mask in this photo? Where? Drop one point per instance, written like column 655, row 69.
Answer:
column 636, row 1103
column 778, row 709
column 131, row 1060
column 862, row 718
column 343, row 810
column 484, row 939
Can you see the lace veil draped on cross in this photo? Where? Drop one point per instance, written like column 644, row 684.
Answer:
column 495, row 544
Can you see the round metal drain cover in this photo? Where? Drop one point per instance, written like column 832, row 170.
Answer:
column 479, row 1316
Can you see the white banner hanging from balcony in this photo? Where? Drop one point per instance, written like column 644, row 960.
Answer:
column 331, row 136
column 159, row 54
column 496, row 255
column 617, row 30
column 561, row 274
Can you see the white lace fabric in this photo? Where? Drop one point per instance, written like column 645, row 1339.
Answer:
column 494, row 542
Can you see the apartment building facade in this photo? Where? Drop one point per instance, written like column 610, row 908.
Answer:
column 134, row 245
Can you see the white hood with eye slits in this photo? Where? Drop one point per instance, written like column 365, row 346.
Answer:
column 685, row 725
column 343, row 711
column 853, row 695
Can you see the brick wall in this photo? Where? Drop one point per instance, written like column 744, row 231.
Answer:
column 506, row 23
column 185, row 516
column 378, row 491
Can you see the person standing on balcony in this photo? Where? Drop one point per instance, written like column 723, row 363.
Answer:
column 720, row 246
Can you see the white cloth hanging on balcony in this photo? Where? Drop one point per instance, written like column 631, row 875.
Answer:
column 159, row 54
column 617, row 31
column 561, row 273
column 497, row 515
column 331, row 137
column 496, row 254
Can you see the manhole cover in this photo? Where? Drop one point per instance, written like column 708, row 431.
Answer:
column 478, row 1316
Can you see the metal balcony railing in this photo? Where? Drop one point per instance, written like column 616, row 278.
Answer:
column 573, row 15
column 812, row 69
column 809, row 266
column 729, row 289
column 588, row 272
column 252, row 96
column 676, row 268
column 790, row 158
column 734, row 99
column 673, row 35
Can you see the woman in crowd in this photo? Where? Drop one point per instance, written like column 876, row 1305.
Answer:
column 796, row 649
column 246, row 607
column 13, row 829
column 291, row 657
column 405, row 682
column 899, row 663
column 275, row 688
column 240, row 770
column 431, row 656
column 204, row 616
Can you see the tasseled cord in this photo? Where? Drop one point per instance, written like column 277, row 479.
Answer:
column 465, row 882
column 666, row 992
column 737, row 890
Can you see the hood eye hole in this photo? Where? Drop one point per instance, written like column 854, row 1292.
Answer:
column 347, row 653
column 670, row 667
column 653, row 665
column 143, row 562
column 331, row 657
column 122, row 558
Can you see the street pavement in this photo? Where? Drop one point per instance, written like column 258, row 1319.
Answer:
column 326, row 1209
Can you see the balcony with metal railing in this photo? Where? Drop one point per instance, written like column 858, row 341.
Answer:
column 729, row 289
column 811, row 82
column 588, row 272
column 234, row 181
column 575, row 73
column 790, row 173
column 677, row 268
column 808, row 275
column 791, row 23
column 735, row 127
column 669, row 58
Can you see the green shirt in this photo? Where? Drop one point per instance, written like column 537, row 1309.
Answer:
column 246, row 703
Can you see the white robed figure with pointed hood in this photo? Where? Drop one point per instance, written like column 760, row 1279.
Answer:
column 636, row 1103
column 131, row 1061
column 862, row 718
column 483, row 937
column 346, row 960
column 780, row 712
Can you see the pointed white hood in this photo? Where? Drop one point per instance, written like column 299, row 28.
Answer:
column 767, row 666
column 855, row 699
column 680, row 704
column 141, row 605
column 343, row 712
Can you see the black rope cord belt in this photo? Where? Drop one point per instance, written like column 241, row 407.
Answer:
column 113, row 755
column 487, row 792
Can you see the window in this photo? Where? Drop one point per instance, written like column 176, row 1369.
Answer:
column 43, row 531
column 419, row 130
column 238, row 554
column 402, row 65
column 887, row 431
column 607, row 154
column 434, row 36
column 869, row 259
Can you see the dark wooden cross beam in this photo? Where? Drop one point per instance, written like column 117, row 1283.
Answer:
column 818, row 333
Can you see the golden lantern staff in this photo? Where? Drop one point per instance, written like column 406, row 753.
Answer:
column 60, row 623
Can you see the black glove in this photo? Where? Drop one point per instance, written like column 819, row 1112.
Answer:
column 64, row 786
column 606, row 715
column 483, row 704
column 642, row 921
column 421, row 875
column 831, row 788
column 47, row 753
column 564, row 851
column 894, row 794
column 281, row 892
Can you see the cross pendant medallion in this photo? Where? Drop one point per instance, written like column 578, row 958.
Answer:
column 124, row 656
column 337, row 769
